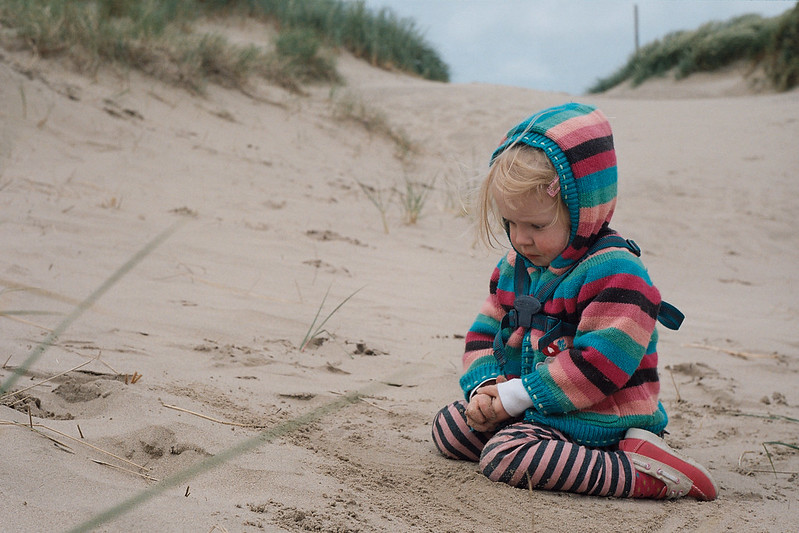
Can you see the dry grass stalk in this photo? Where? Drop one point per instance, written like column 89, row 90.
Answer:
column 367, row 402
column 771, row 462
column 111, row 368
column 742, row 355
column 16, row 402
column 99, row 358
column 212, row 419
column 532, row 494
column 70, row 437
column 16, row 286
column 145, row 476
column 756, row 415
column 3, row 397
column 23, row 321
column 768, row 454
column 364, row 400
column 33, row 428
column 131, row 379
column 376, row 196
column 679, row 398
column 414, row 197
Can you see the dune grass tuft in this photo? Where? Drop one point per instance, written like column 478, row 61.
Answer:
column 413, row 198
column 782, row 65
column 349, row 106
column 315, row 330
column 772, row 42
column 159, row 38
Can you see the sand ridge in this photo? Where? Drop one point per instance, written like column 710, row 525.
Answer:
column 266, row 186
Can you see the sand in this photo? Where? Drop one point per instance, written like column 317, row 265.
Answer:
column 182, row 245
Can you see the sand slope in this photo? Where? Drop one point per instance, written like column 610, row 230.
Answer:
column 258, row 195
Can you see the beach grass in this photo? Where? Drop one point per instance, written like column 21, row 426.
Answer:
column 381, row 199
column 752, row 39
column 159, row 38
column 345, row 105
column 782, row 65
column 315, row 330
column 381, row 37
column 413, row 197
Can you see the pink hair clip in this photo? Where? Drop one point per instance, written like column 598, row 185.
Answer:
column 554, row 188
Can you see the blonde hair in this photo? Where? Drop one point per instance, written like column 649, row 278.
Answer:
column 518, row 171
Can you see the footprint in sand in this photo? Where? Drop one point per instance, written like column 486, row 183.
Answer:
column 327, row 235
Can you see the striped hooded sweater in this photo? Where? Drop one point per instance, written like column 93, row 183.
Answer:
column 603, row 380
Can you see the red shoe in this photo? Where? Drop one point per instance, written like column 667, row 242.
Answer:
column 678, row 475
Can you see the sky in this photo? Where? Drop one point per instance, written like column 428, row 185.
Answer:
column 555, row 45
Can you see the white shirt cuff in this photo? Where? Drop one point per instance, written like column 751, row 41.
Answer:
column 489, row 381
column 514, row 397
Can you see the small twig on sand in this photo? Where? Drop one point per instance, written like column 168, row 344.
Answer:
column 33, row 428
column 756, row 415
column 132, row 379
column 26, row 322
column 364, row 400
column 773, row 470
column 140, row 474
column 673, row 382
column 111, row 368
column 532, row 495
column 742, row 355
column 212, row 419
column 3, row 397
column 70, row 437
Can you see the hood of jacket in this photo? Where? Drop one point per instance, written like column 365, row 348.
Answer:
column 578, row 141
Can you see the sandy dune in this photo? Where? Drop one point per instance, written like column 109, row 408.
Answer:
column 189, row 242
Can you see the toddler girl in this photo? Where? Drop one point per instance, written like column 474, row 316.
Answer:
column 560, row 369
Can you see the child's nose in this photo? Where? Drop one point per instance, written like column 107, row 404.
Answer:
column 524, row 237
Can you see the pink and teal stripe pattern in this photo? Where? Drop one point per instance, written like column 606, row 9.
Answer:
column 605, row 380
column 579, row 142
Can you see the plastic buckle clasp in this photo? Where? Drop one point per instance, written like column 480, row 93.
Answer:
column 526, row 307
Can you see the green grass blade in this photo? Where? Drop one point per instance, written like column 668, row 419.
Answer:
column 313, row 333
column 336, row 309
column 21, row 312
column 778, row 443
column 308, row 335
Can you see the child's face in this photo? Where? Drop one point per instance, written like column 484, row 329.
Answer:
column 534, row 232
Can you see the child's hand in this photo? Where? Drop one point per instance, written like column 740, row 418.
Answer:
column 485, row 411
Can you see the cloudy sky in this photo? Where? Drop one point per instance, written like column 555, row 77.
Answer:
column 555, row 45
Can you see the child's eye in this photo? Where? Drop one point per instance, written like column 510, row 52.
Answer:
column 507, row 224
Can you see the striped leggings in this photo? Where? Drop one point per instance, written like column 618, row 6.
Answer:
column 525, row 451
